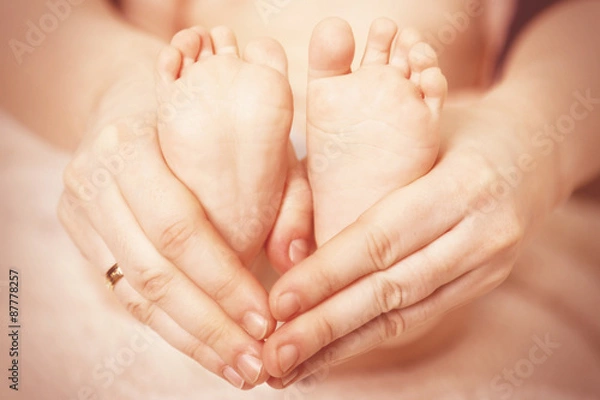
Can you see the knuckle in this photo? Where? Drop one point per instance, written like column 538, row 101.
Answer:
column 62, row 212
column 212, row 333
column 507, row 234
column 431, row 278
column 142, row 311
column 155, row 284
column 110, row 137
column 485, row 180
column 194, row 350
column 388, row 327
column 72, row 176
column 326, row 331
column 379, row 247
column 175, row 238
column 327, row 282
column 513, row 232
column 477, row 173
column 227, row 287
column 388, row 295
column 498, row 276
column 391, row 325
column 67, row 208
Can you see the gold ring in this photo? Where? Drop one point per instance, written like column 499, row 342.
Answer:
column 113, row 275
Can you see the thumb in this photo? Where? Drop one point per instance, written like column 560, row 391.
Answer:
column 292, row 237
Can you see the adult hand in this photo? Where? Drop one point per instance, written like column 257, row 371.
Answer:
column 425, row 249
column 122, row 204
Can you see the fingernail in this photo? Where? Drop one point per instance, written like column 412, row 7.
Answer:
column 288, row 305
column 287, row 379
column 288, row 356
column 298, row 251
column 233, row 377
column 255, row 325
column 251, row 367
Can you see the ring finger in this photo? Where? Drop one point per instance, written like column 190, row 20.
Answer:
column 95, row 251
column 156, row 279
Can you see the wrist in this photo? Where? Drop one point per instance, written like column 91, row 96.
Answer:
column 129, row 89
column 534, row 166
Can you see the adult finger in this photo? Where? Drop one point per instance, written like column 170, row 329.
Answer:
column 160, row 282
column 397, row 322
column 402, row 223
column 399, row 286
column 177, row 337
column 96, row 252
column 174, row 221
column 292, row 239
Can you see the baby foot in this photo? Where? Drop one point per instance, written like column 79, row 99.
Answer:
column 224, row 122
column 372, row 130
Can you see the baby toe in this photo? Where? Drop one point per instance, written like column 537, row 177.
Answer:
column 421, row 57
column 169, row 64
column 405, row 41
column 188, row 42
column 267, row 52
column 224, row 41
column 331, row 49
column 379, row 43
column 434, row 88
